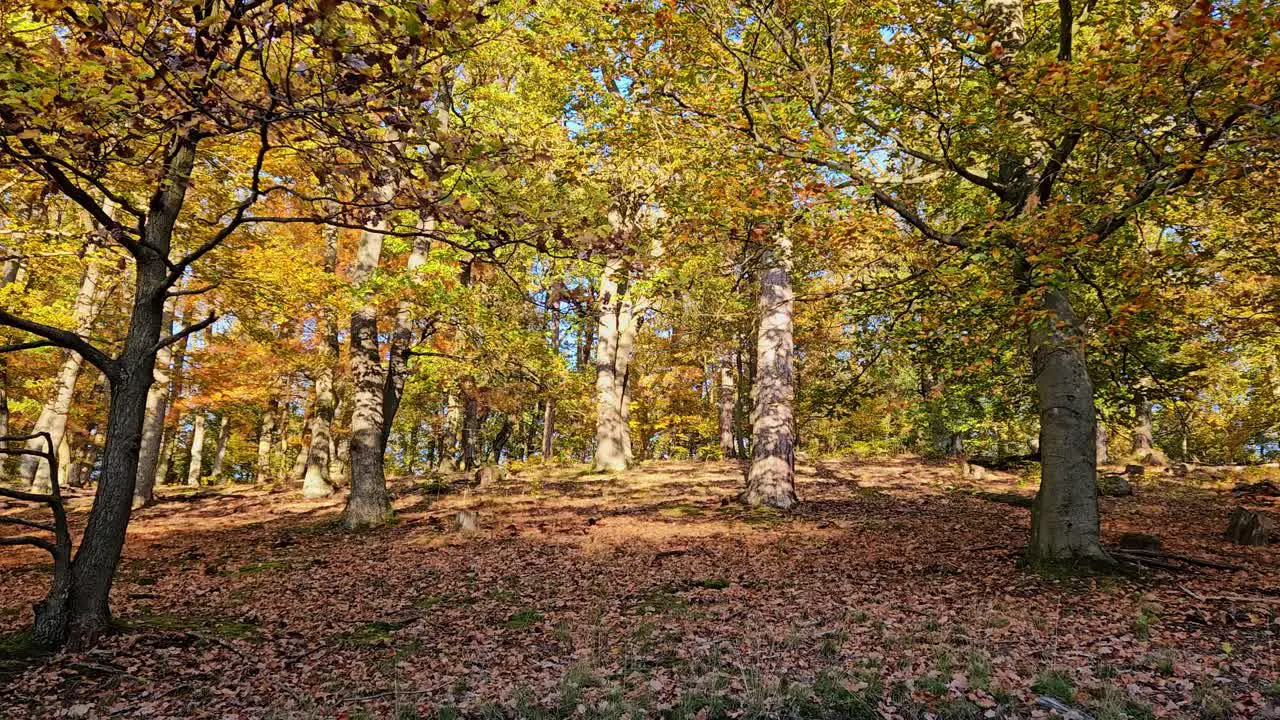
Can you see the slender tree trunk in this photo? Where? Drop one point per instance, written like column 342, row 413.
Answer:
column 220, row 450
column 1102, row 441
column 549, row 406
column 771, row 479
column 153, row 427
column 402, row 338
column 368, row 503
column 316, row 481
column 500, row 440
column 266, row 431
column 470, row 429
column 169, row 421
column 727, row 397
column 53, row 417
column 1064, row 520
column 611, row 450
column 196, row 465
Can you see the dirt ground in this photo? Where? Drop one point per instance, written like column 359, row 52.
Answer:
column 894, row 591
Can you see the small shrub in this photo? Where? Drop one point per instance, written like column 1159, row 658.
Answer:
column 680, row 453
column 710, row 452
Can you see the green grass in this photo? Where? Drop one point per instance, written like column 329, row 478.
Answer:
column 1056, row 684
column 523, row 619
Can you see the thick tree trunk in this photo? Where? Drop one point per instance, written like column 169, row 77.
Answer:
column 220, row 450
column 1064, row 520
column 771, row 479
column 611, row 429
column 266, row 431
column 153, row 427
column 196, row 465
column 53, row 417
column 368, row 503
column 1142, row 433
column 727, row 398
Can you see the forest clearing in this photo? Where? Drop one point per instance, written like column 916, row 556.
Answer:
column 640, row 359
column 896, row 592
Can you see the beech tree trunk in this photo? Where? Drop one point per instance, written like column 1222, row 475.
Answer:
column 611, row 428
column 368, row 503
column 196, row 465
column 1064, row 519
column 169, row 421
column 153, row 427
column 470, row 430
column 771, row 479
column 53, row 416
column 549, row 406
column 727, row 397
column 402, row 338
column 1142, row 433
column 1102, row 441
column 316, row 481
column 266, row 431
column 220, row 450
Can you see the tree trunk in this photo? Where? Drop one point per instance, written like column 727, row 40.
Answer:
column 611, row 450
column 53, row 417
column 549, row 406
column 1102, row 440
column 220, row 451
column 1064, row 519
column 196, row 465
column 771, row 479
column 727, row 398
column 316, row 481
column 470, row 429
column 153, row 427
column 402, row 337
column 266, row 438
column 169, row 422
column 368, row 503
column 1142, row 434
column 93, row 568
column 500, row 440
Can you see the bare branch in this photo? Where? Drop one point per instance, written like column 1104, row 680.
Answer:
column 68, row 340
column 27, row 523
column 15, row 347
column 187, row 331
column 29, row 540
column 193, row 291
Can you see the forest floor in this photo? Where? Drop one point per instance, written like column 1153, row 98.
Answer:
column 894, row 591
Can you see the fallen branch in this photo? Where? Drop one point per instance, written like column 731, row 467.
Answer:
column 1231, row 598
column 1057, row 705
column 1140, row 561
column 1182, row 558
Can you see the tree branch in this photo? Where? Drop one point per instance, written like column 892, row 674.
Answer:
column 65, row 339
column 189, row 330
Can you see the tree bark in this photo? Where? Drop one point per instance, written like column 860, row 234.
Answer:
column 470, row 429
column 368, row 503
column 196, row 465
column 771, row 479
column 169, row 421
column 53, row 416
column 727, row 398
column 1102, row 441
column 220, row 450
column 93, row 568
column 266, row 431
column 316, row 482
column 1142, row 433
column 153, row 427
column 1064, row 520
column 549, row 406
column 402, row 338
column 611, row 430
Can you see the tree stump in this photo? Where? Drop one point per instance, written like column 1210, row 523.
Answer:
column 489, row 474
column 467, row 521
column 1248, row 527
column 1135, row 471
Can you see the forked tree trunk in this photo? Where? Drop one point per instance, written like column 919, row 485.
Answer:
column 1064, row 519
column 368, row 503
column 727, row 397
column 771, row 479
column 153, row 427
column 196, row 465
column 87, row 613
column 401, row 346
